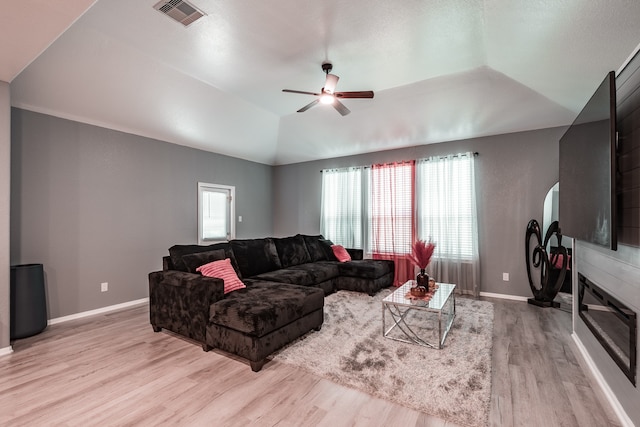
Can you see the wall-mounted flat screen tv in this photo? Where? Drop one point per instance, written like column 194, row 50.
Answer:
column 587, row 192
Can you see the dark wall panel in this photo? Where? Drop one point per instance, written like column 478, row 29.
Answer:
column 628, row 153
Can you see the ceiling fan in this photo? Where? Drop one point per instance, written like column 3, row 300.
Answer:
column 328, row 94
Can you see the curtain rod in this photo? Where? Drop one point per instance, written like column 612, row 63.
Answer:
column 475, row 153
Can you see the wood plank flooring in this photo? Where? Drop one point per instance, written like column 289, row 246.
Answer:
column 113, row 370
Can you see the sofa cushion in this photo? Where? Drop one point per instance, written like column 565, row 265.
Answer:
column 366, row 268
column 315, row 247
column 193, row 261
column 359, row 284
column 264, row 307
column 256, row 256
column 309, row 274
column 176, row 252
column 222, row 269
column 292, row 251
column 319, row 248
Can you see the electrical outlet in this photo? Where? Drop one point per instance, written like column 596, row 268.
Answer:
column 239, row 218
column 505, row 277
column 104, row 287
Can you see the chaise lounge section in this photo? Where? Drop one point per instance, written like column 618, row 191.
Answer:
column 286, row 280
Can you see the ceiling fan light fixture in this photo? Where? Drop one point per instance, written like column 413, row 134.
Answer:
column 328, row 94
column 331, row 83
column 327, row 98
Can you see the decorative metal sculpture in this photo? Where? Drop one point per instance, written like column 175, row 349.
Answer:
column 538, row 258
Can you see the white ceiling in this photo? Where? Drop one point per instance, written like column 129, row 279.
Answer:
column 441, row 69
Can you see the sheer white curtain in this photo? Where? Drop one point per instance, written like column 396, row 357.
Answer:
column 446, row 214
column 341, row 211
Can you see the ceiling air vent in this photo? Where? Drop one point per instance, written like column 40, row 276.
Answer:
column 179, row 10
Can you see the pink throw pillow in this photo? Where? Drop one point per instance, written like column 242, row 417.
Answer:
column 222, row 269
column 341, row 253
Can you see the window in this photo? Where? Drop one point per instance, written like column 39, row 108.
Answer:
column 390, row 211
column 216, row 211
column 392, row 205
column 341, row 218
column 446, row 205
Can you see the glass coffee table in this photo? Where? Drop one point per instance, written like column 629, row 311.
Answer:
column 416, row 321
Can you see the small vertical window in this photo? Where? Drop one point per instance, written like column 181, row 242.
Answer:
column 341, row 218
column 216, row 213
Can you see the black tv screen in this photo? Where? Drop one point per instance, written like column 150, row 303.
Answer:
column 587, row 170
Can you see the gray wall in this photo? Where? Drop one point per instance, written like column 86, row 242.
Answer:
column 96, row 205
column 514, row 172
column 5, row 167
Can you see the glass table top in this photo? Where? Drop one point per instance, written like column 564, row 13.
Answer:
column 437, row 302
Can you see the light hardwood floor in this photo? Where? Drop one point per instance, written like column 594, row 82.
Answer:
column 112, row 369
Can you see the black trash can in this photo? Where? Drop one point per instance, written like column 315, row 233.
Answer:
column 28, row 304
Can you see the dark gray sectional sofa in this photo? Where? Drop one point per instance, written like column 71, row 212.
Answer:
column 286, row 280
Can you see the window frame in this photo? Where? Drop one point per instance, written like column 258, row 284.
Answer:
column 230, row 211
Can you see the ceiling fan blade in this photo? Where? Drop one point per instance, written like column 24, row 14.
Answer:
column 340, row 107
column 331, row 83
column 309, row 105
column 301, row 91
column 360, row 94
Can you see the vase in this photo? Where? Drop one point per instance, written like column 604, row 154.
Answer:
column 422, row 279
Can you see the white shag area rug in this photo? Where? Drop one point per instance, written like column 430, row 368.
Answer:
column 453, row 383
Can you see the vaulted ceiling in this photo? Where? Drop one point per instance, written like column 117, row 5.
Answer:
column 441, row 69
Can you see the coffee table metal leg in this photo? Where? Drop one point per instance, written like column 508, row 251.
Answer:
column 451, row 314
column 398, row 317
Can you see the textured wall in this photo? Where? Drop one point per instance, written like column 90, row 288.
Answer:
column 514, row 172
column 96, row 205
column 5, row 167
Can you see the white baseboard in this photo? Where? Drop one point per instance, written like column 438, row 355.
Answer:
column 503, row 296
column 6, row 351
column 98, row 311
column 611, row 397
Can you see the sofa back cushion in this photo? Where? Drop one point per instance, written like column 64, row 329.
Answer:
column 292, row 251
column 255, row 256
column 176, row 252
column 319, row 248
column 193, row 261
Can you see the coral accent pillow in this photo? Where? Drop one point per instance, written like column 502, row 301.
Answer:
column 223, row 270
column 341, row 253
